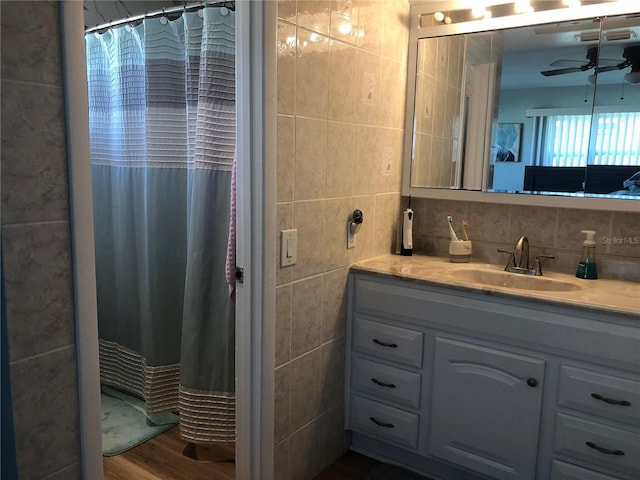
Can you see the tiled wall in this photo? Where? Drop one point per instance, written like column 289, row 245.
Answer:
column 551, row 231
column 36, row 243
column 341, row 100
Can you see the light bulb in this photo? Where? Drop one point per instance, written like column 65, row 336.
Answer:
column 478, row 11
column 438, row 16
column 521, row 6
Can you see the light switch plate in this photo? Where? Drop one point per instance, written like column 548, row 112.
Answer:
column 288, row 247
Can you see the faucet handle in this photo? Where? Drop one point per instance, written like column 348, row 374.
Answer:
column 512, row 259
column 537, row 264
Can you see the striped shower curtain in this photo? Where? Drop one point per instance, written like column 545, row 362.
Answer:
column 162, row 132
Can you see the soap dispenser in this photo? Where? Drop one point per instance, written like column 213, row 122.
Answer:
column 587, row 266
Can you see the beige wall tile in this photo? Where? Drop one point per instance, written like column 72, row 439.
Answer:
column 344, row 21
column 39, row 289
column 306, row 320
column 340, row 160
column 334, row 304
column 491, row 224
column 305, row 461
column 286, row 66
column 572, row 221
column 368, row 88
column 34, row 161
column 390, row 169
column 335, row 439
column 283, row 324
column 387, row 222
column 395, row 35
column 309, row 221
column 342, row 81
column 286, row 157
column 31, row 50
column 287, row 10
column 332, row 373
column 625, row 235
column 393, row 84
column 45, row 399
column 305, row 389
column 284, row 221
column 282, row 388
column 337, row 214
column 312, row 74
column 314, row 15
column 367, row 159
column 539, row 225
column 431, row 218
column 311, row 159
column 281, row 461
column 370, row 25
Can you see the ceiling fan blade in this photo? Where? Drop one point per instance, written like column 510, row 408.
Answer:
column 563, row 62
column 610, row 68
column 561, row 71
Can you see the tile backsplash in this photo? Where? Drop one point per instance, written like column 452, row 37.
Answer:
column 551, row 231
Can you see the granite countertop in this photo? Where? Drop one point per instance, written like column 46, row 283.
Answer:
column 601, row 294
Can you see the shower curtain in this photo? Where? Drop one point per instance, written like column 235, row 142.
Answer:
column 162, row 132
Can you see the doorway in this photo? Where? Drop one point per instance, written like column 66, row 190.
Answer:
column 254, row 337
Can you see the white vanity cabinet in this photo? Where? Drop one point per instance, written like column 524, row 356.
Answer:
column 481, row 400
column 455, row 383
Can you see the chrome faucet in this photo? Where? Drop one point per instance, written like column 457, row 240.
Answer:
column 519, row 259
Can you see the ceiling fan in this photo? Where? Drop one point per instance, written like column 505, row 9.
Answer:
column 631, row 56
column 592, row 62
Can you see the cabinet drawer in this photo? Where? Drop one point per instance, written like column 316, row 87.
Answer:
column 385, row 382
column 566, row 471
column 606, row 395
column 598, row 443
column 387, row 423
column 391, row 343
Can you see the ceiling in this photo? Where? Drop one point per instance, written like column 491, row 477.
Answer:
column 530, row 50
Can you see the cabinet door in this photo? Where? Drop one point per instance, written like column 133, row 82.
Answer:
column 486, row 409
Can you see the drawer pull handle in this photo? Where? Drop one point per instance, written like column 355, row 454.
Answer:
column 385, row 344
column 383, row 384
column 381, row 424
column 624, row 403
column 604, row 450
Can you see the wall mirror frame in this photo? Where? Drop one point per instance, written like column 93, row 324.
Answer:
column 478, row 192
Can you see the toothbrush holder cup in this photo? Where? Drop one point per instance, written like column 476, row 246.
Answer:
column 460, row 251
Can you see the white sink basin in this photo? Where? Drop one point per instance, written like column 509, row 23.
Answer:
column 504, row 279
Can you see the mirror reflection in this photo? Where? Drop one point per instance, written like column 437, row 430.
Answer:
column 548, row 109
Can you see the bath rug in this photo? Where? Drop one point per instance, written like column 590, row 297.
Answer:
column 125, row 424
column 385, row 471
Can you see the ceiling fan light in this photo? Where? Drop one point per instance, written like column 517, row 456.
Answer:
column 632, row 77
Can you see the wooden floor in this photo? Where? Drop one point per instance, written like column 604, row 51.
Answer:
column 161, row 458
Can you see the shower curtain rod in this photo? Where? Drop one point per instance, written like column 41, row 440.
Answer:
column 160, row 13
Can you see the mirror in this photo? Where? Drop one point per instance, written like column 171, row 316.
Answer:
column 551, row 109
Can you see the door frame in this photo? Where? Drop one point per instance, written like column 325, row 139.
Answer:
column 255, row 226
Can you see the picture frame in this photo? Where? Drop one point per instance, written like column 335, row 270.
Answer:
column 507, row 145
